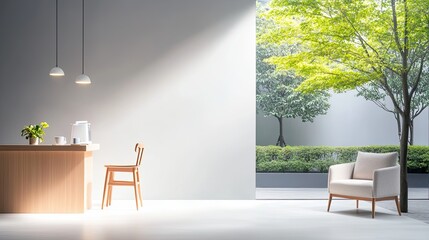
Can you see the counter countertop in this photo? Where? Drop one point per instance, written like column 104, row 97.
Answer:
column 49, row 147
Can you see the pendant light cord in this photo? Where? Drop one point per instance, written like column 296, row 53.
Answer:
column 56, row 33
column 83, row 36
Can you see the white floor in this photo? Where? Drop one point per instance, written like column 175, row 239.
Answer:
column 217, row 220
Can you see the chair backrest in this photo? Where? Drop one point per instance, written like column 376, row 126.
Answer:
column 367, row 163
column 139, row 149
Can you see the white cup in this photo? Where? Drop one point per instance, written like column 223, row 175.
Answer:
column 60, row 140
column 76, row 140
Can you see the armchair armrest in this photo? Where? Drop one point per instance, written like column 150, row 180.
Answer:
column 340, row 171
column 386, row 182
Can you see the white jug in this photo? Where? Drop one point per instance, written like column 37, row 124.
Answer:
column 81, row 130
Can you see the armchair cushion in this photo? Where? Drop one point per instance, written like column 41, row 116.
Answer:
column 367, row 163
column 351, row 187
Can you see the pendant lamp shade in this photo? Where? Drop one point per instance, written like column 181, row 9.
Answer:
column 56, row 71
column 83, row 79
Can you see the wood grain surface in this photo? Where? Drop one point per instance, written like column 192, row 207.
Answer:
column 45, row 181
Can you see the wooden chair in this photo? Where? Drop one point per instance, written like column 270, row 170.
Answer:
column 110, row 179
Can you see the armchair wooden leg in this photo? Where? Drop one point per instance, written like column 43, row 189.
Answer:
column 329, row 201
column 357, row 203
column 397, row 205
column 373, row 207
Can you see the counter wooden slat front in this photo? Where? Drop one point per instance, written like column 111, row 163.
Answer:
column 45, row 178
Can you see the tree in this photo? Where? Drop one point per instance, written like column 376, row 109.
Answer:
column 275, row 95
column 374, row 92
column 348, row 43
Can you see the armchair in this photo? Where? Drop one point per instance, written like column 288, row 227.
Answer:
column 373, row 177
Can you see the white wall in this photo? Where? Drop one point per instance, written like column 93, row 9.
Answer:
column 177, row 75
column 350, row 121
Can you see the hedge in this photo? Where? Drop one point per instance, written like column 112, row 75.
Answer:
column 318, row 159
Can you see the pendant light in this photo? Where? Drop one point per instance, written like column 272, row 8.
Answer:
column 56, row 71
column 83, row 79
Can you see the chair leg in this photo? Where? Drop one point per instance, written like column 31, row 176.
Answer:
column 139, row 188
column 135, row 189
column 357, row 203
column 329, row 202
column 140, row 195
column 373, row 207
column 109, row 193
column 397, row 206
column 105, row 188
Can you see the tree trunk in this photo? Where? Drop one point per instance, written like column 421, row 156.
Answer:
column 411, row 141
column 398, row 124
column 403, row 161
column 281, row 141
column 406, row 114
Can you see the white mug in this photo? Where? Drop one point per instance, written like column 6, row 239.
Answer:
column 60, row 140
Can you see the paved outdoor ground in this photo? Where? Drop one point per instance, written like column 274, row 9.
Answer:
column 418, row 203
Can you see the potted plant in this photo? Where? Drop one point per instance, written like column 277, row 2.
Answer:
column 34, row 133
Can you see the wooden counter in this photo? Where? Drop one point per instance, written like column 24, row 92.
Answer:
column 46, row 178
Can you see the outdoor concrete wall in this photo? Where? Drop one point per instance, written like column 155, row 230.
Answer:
column 178, row 75
column 350, row 121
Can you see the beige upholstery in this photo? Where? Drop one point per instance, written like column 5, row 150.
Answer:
column 386, row 182
column 352, row 187
column 373, row 177
column 367, row 163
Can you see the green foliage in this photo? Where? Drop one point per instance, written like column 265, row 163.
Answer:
column 378, row 94
column 418, row 157
column 275, row 95
column 274, row 166
column 34, row 131
column 269, row 153
column 379, row 47
column 318, row 159
column 299, row 166
column 346, row 44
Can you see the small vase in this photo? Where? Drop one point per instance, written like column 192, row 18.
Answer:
column 34, row 141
